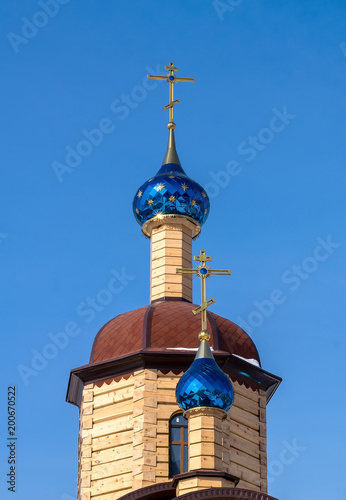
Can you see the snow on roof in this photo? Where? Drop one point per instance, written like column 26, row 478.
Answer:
column 252, row 361
column 184, row 348
column 248, row 360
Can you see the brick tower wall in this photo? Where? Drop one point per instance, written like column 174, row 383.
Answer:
column 124, row 435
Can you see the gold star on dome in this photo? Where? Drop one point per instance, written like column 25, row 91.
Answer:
column 193, row 202
column 150, row 202
column 205, row 211
column 171, row 176
column 203, row 194
column 150, row 179
column 139, row 194
column 137, row 211
column 172, row 198
column 159, row 186
column 184, row 186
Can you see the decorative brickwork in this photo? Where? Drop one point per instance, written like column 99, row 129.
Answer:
column 170, row 247
column 124, row 437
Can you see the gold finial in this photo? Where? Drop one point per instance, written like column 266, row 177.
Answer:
column 203, row 271
column 171, row 78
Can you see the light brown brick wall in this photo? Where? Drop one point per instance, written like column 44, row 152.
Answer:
column 171, row 248
column 124, row 435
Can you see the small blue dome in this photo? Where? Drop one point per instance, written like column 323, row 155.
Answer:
column 204, row 384
column 171, row 192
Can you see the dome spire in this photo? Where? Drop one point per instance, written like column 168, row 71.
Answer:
column 171, row 155
column 204, row 384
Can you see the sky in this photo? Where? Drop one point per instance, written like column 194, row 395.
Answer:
column 262, row 130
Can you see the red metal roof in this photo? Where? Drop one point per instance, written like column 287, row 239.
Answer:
column 164, row 325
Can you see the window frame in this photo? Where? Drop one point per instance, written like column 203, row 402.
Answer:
column 182, row 443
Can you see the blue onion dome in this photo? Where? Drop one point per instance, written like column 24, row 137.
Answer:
column 204, row 383
column 171, row 193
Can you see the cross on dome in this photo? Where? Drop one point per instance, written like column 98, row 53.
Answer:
column 203, row 271
column 171, row 78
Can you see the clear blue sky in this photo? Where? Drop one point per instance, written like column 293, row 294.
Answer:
column 263, row 130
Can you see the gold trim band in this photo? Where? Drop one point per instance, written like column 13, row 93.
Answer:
column 163, row 217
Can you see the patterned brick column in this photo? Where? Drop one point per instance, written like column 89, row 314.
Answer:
column 205, row 452
column 85, row 441
column 145, row 429
column 263, row 440
column 205, row 438
column 170, row 248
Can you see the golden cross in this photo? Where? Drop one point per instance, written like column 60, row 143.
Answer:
column 171, row 78
column 203, row 271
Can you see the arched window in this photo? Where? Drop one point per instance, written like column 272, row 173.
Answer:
column 178, row 445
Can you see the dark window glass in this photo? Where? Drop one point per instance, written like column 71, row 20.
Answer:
column 175, row 459
column 178, row 445
column 175, row 434
column 186, row 458
column 186, row 434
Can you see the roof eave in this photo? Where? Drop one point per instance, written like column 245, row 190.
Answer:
column 163, row 359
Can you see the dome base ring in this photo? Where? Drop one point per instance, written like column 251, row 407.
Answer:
column 161, row 219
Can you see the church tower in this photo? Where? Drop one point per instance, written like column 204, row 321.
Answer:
column 172, row 403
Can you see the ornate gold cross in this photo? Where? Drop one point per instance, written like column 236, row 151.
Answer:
column 203, row 271
column 171, row 78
